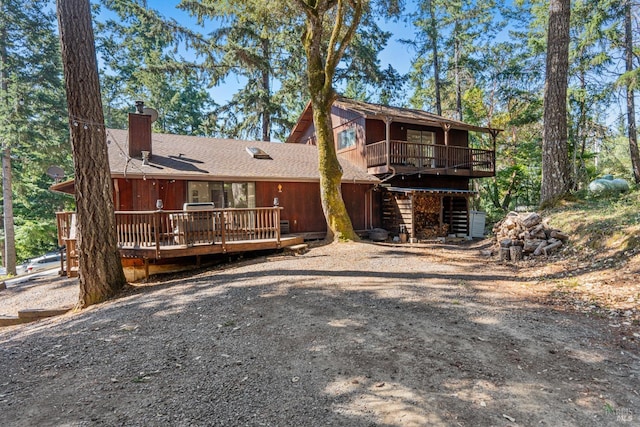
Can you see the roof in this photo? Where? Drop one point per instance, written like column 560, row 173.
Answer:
column 199, row 158
column 380, row 112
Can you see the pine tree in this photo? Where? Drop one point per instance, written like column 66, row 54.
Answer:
column 100, row 274
column 555, row 160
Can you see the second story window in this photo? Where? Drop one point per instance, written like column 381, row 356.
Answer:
column 347, row 138
column 421, row 136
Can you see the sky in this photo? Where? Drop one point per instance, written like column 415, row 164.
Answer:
column 395, row 53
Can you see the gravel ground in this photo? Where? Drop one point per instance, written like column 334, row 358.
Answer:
column 352, row 334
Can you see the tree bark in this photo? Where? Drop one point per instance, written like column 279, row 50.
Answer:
column 9, row 258
column 456, row 56
column 556, row 180
column 631, row 108
column 321, row 66
column 9, row 230
column 266, row 96
column 433, row 36
column 100, row 266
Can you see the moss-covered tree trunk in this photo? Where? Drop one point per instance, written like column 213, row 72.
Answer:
column 324, row 52
column 100, row 274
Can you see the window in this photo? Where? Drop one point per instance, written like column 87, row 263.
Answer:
column 421, row 136
column 419, row 152
column 223, row 194
column 347, row 138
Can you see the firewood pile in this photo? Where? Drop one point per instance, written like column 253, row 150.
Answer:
column 526, row 234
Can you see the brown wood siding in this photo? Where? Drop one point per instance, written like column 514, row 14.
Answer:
column 376, row 131
column 300, row 201
column 342, row 120
column 139, row 134
column 357, row 204
column 141, row 195
column 459, row 138
column 308, row 137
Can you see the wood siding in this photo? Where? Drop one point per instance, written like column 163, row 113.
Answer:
column 300, row 201
column 343, row 120
column 141, row 195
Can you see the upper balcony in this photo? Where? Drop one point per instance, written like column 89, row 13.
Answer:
column 410, row 158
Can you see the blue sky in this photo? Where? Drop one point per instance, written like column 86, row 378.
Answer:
column 396, row 54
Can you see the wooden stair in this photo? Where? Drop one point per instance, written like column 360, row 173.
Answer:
column 31, row 315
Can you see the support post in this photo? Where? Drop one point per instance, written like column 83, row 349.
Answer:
column 223, row 231
column 387, row 130
column 446, row 127
column 277, row 215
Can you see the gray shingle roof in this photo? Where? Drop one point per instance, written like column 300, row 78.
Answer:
column 198, row 158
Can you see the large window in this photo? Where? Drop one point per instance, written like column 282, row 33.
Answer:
column 223, row 194
column 421, row 136
column 419, row 150
column 347, row 138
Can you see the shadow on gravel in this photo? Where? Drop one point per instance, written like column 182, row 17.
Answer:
column 276, row 344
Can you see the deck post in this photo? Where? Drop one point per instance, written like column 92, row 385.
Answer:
column 156, row 234
column 387, row 130
column 223, row 234
column 277, row 216
column 446, row 127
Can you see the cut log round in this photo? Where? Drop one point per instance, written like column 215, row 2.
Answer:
column 531, row 245
column 541, row 246
column 550, row 248
column 531, row 220
column 516, row 253
column 505, row 254
column 557, row 234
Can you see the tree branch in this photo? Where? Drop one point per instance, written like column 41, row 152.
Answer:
column 338, row 45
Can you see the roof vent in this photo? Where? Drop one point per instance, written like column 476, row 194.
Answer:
column 258, row 153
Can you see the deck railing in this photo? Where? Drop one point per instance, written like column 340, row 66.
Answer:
column 430, row 156
column 157, row 229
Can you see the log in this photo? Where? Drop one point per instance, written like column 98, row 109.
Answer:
column 531, row 245
column 541, row 246
column 505, row 254
column 550, row 248
column 505, row 243
column 531, row 220
column 516, row 253
column 538, row 228
column 509, row 224
column 557, row 234
column 541, row 235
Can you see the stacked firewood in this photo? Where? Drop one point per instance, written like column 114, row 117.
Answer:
column 520, row 234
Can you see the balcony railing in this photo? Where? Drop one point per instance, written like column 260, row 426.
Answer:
column 424, row 157
column 171, row 229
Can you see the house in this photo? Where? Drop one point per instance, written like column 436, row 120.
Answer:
column 178, row 196
column 424, row 162
column 255, row 195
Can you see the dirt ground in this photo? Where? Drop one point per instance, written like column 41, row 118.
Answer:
column 354, row 334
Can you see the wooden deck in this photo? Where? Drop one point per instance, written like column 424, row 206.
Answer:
column 405, row 157
column 155, row 235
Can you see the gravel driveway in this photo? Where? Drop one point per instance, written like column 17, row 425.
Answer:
column 353, row 334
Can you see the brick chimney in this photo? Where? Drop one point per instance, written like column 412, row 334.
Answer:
column 139, row 132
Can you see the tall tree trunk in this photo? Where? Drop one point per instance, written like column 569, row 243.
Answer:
column 456, row 55
column 100, row 274
column 556, row 180
column 9, row 259
column 433, row 36
column 7, row 194
column 631, row 108
column 320, row 71
column 266, row 87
